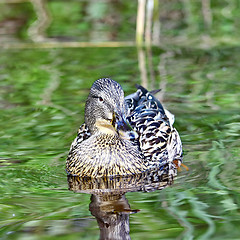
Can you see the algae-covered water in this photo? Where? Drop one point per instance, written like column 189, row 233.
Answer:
column 42, row 98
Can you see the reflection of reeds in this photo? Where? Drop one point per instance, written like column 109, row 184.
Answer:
column 148, row 24
column 147, row 32
column 142, row 67
column 37, row 30
column 146, row 67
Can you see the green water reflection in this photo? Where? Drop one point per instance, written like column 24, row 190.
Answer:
column 42, row 96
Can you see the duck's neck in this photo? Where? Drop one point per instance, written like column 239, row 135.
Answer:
column 102, row 127
column 104, row 141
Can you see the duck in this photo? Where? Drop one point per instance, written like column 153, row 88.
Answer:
column 124, row 136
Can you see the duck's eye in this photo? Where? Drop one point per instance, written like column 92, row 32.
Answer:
column 100, row 99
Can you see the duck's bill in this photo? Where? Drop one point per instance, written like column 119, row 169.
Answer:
column 124, row 129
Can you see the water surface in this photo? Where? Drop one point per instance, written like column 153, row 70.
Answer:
column 42, row 98
column 42, row 103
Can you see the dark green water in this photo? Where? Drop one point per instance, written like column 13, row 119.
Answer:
column 42, row 98
column 43, row 93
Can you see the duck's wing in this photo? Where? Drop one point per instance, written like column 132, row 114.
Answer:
column 157, row 138
column 83, row 134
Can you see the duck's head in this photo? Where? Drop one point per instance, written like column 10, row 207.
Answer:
column 105, row 109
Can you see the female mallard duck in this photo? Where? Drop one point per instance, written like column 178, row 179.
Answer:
column 124, row 136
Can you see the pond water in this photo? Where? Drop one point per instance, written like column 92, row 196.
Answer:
column 42, row 97
column 43, row 93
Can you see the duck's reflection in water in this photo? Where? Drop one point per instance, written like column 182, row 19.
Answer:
column 112, row 214
column 108, row 202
